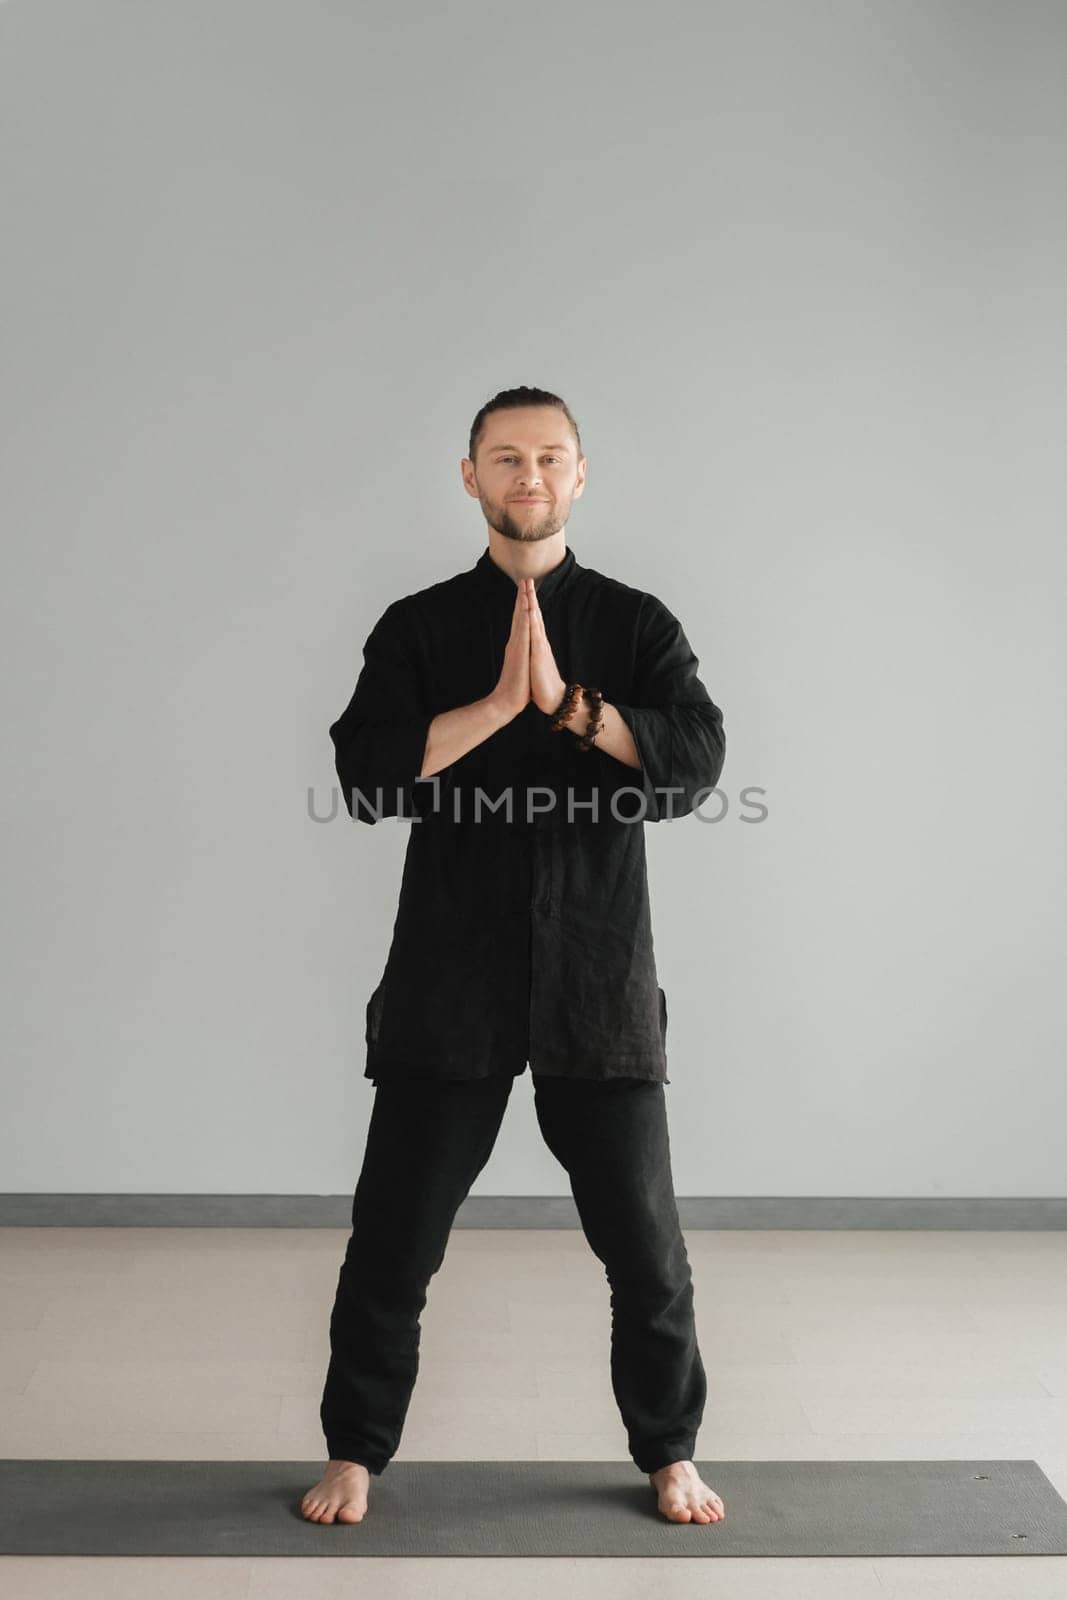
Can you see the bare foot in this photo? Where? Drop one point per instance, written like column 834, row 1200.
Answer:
column 684, row 1496
column 340, row 1494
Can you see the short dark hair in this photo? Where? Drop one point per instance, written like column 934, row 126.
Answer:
column 511, row 400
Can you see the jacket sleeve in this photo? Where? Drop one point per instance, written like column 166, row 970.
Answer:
column 380, row 737
column 677, row 728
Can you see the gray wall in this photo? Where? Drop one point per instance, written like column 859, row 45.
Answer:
column 798, row 269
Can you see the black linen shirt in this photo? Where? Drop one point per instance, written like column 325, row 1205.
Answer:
column 523, row 933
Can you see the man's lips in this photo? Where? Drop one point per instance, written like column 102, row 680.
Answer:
column 529, row 500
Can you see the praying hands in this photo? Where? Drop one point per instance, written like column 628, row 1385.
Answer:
column 530, row 673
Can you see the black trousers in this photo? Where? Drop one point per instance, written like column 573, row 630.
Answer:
column 426, row 1143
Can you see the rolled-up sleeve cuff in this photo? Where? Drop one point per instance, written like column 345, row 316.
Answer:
column 651, row 733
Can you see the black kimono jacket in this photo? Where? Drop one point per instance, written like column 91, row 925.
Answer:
column 524, row 939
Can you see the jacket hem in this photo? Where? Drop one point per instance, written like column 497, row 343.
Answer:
column 425, row 1067
column 612, row 1067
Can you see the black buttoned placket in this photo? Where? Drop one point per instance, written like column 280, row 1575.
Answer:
column 536, row 829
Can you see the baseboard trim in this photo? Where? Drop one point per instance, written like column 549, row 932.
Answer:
column 966, row 1213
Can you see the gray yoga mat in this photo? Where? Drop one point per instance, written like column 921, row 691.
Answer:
column 531, row 1508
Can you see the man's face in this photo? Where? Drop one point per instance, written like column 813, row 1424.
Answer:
column 528, row 472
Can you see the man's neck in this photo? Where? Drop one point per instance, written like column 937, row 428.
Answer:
column 527, row 560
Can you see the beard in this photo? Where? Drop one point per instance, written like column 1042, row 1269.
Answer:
column 527, row 527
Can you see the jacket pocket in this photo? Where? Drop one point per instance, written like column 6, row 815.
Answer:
column 662, row 1016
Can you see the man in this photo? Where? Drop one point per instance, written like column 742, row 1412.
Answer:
column 528, row 715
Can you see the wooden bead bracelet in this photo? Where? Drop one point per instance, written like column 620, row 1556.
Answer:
column 567, row 706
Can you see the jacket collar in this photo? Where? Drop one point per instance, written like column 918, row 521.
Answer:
column 502, row 585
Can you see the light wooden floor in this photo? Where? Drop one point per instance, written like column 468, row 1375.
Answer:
column 213, row 1343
